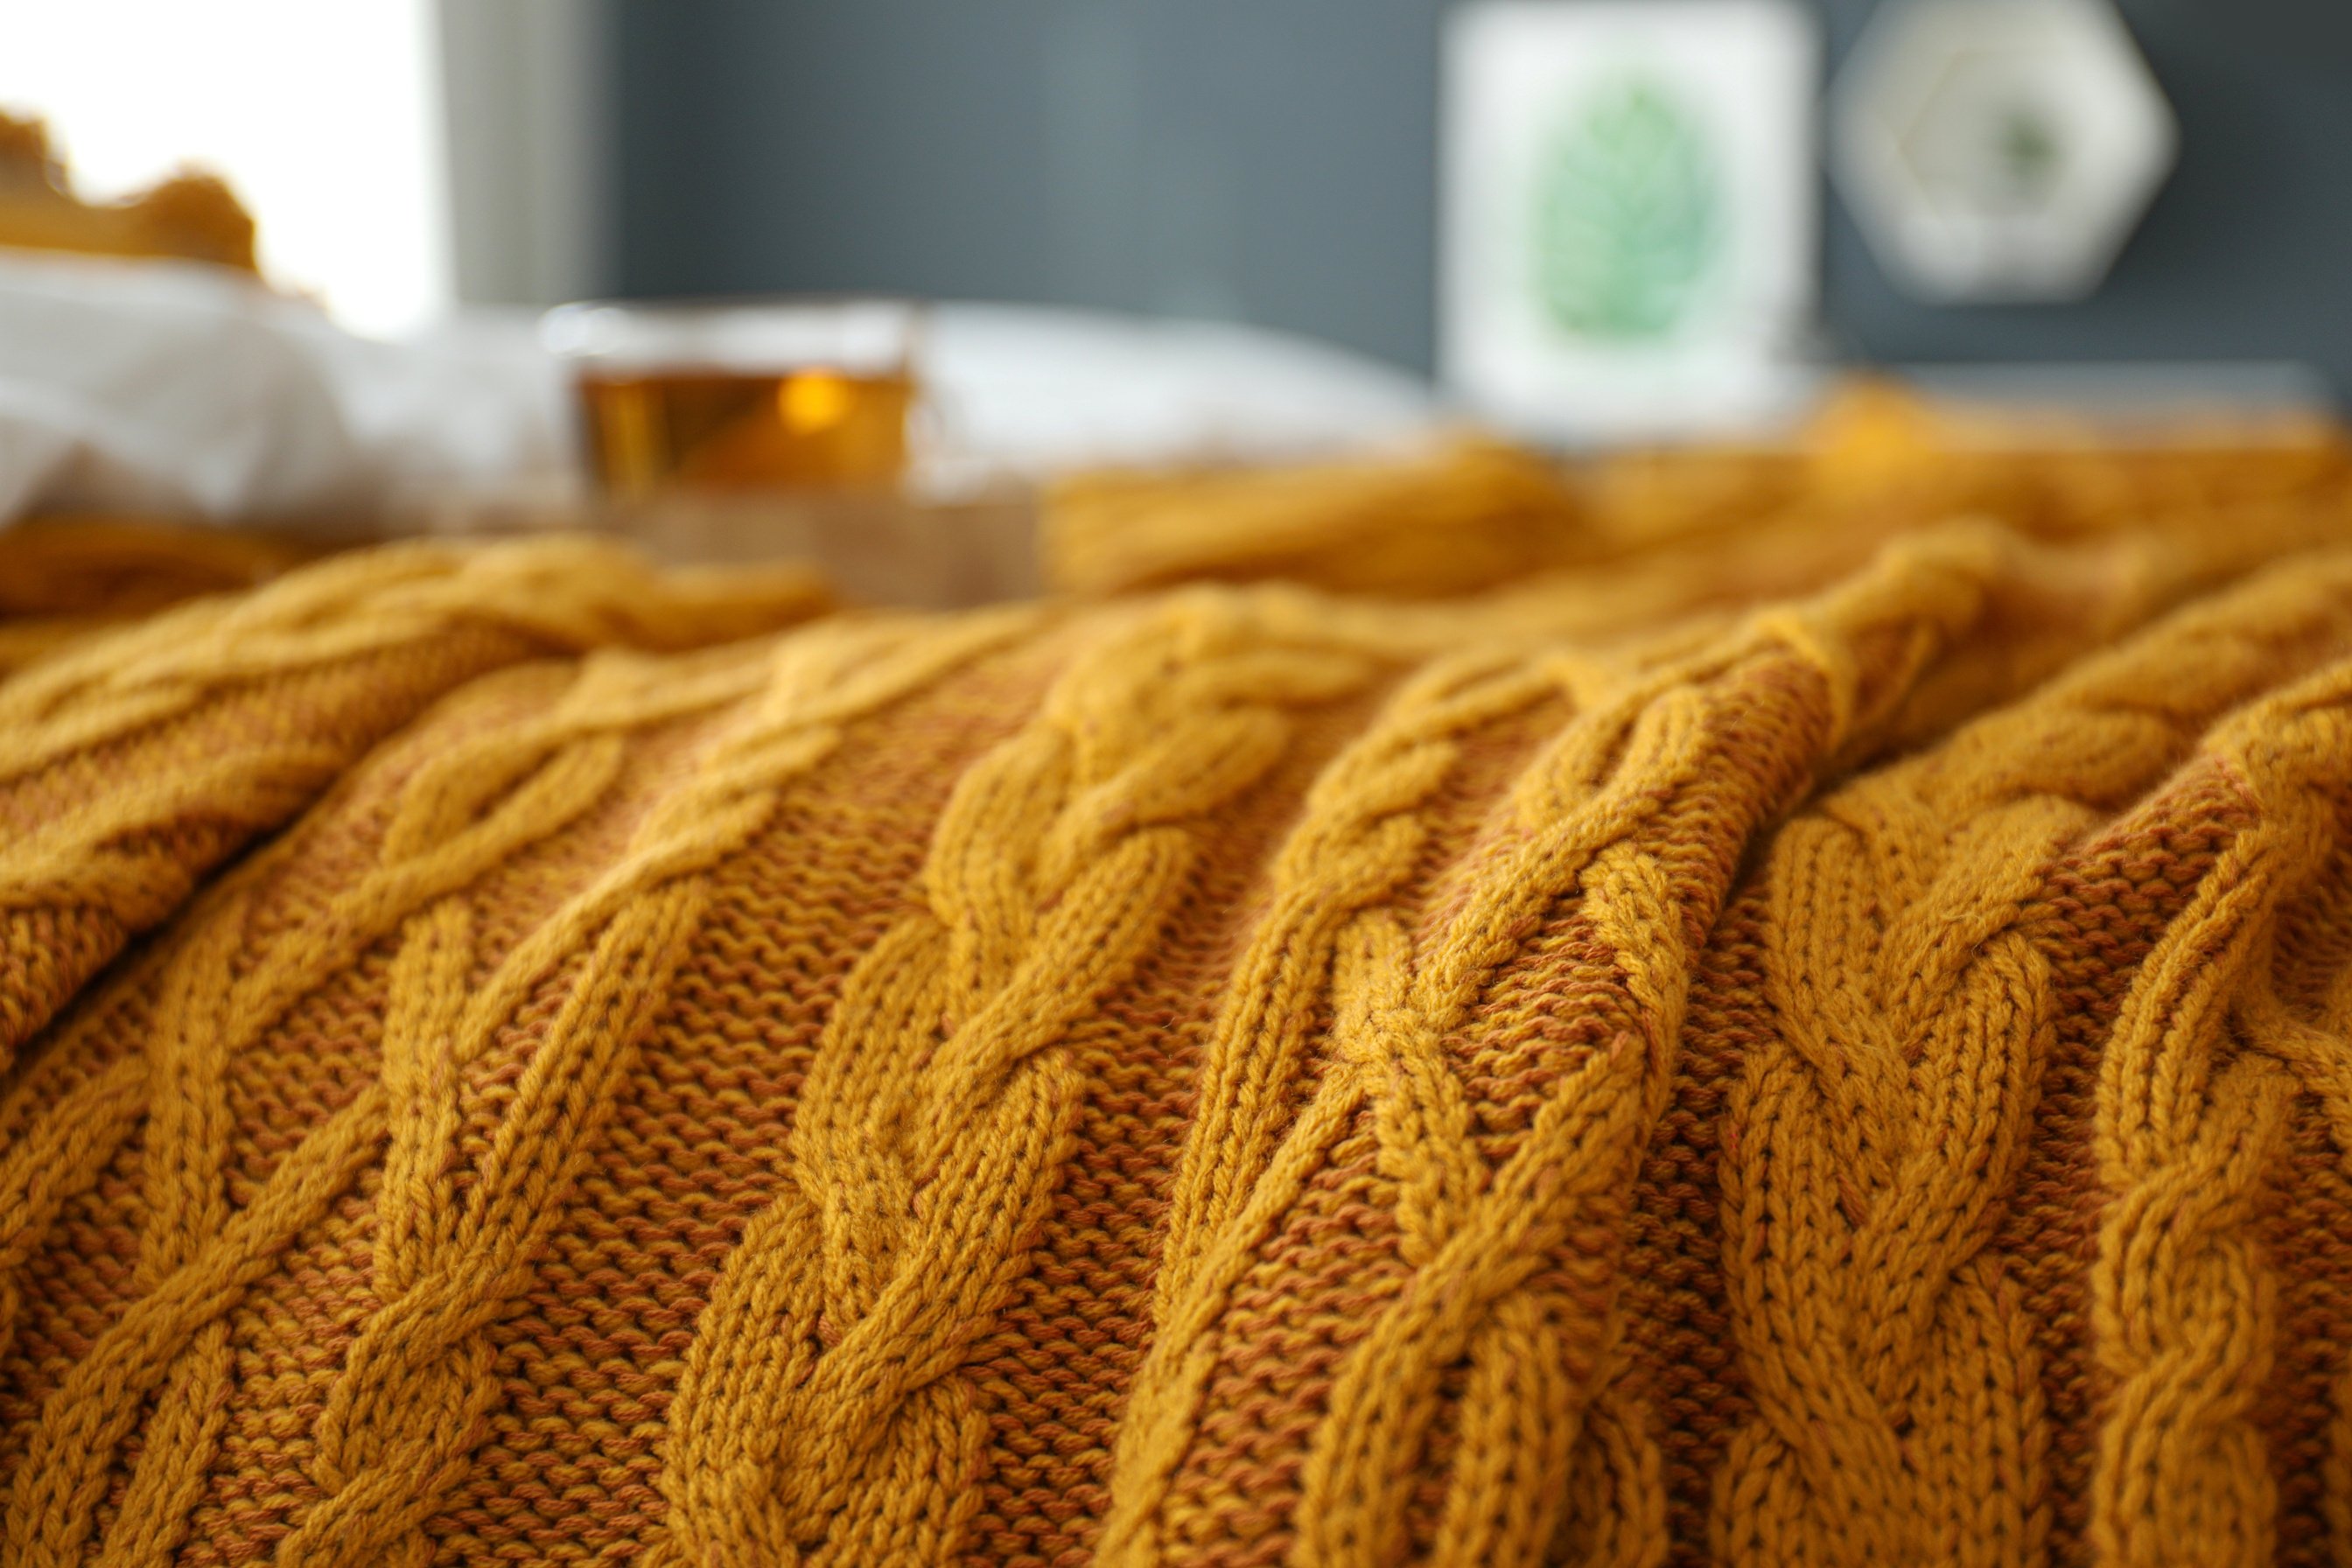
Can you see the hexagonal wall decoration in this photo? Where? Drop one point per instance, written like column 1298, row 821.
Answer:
column 1999, row 150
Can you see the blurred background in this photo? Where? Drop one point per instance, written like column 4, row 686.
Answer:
column 1274, row 164
column 1278, row 164
column 1123, row 233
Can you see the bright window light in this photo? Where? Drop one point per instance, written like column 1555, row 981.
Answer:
column 324, row 116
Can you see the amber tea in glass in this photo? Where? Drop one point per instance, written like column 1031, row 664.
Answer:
column 788, row 395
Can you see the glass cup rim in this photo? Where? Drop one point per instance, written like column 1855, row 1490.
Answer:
column 752, row 333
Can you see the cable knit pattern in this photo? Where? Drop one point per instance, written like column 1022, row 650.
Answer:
column 1881, row 1126
column 130, row 766
column 1816, row 1035
column 937, row 1114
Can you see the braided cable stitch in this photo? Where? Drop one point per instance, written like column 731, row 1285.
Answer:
column 1462, row 1220
column 574, row 751
column 2187, row 1126
column 1625, row 1069
column 939, row 1092
column 129, row 767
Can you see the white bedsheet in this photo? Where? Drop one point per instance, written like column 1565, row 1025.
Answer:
column 189, row 390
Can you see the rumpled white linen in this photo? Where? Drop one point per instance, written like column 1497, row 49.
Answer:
column 192, row 390
column 188, row 390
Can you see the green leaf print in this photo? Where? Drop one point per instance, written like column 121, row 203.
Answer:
column 1628, row 216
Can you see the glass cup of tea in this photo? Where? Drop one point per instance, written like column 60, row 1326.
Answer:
column 741, row 394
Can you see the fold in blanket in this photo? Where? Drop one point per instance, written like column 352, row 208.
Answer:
column 515, row 1058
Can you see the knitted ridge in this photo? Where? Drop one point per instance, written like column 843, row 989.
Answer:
column 517, row 1058
column 130, row 766
column 1465, row 513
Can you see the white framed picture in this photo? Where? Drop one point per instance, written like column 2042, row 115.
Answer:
column 1628, row 214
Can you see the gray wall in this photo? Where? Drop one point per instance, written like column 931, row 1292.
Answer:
column 1273, row 161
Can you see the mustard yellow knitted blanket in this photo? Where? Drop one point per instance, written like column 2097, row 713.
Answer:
column 1754, row 1022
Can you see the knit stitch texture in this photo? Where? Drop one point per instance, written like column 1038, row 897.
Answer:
column 1759, row 1020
